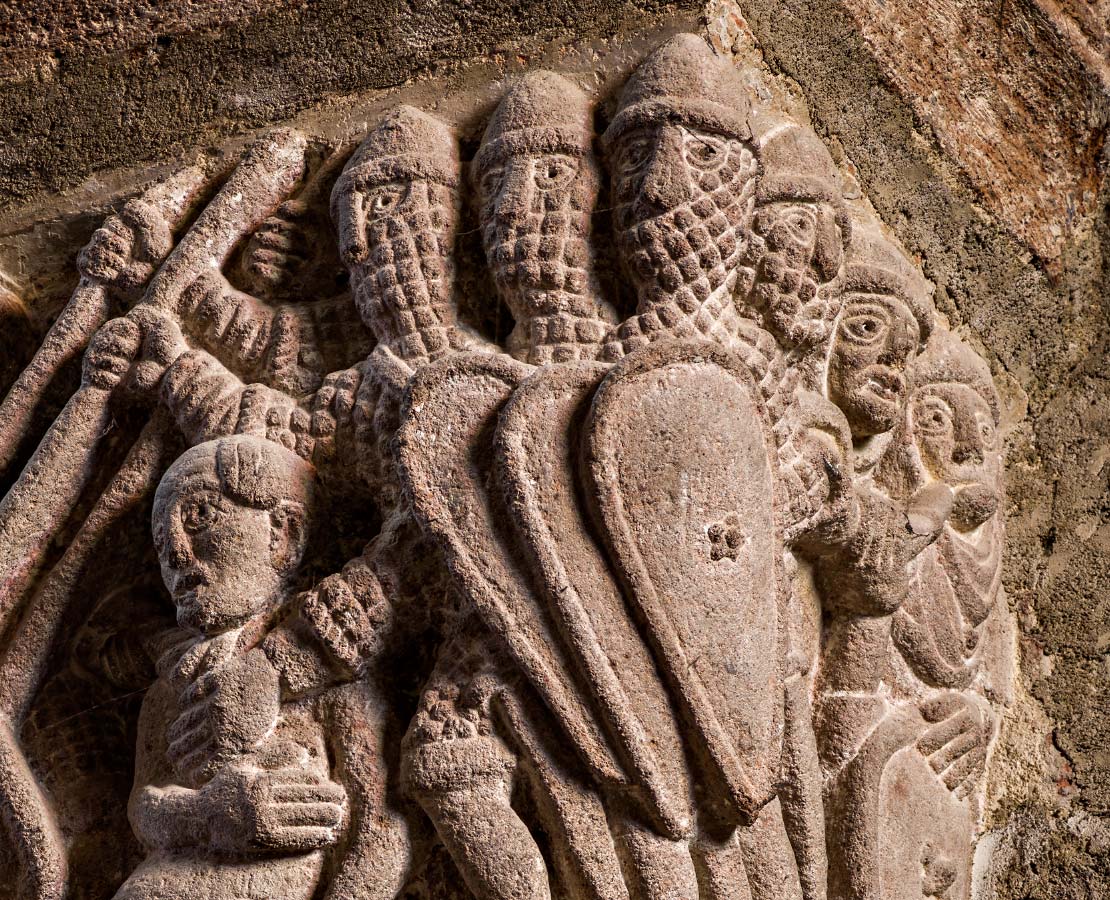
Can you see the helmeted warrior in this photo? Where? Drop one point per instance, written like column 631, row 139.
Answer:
column 801, row 229
column 684, row 182
column 396, row 206
column 538, row 180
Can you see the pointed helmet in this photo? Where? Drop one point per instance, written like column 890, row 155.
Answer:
column 407, row 144
column 541, row 113
column 684, row 82
column 796, row 165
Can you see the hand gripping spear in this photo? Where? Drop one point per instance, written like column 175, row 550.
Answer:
column 86, row 311
column 43, row 498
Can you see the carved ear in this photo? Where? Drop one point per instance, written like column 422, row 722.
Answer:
column 288, row 535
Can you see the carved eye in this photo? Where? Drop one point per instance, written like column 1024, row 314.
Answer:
column 385, row 198
column 635, row 154
column 866, row 326
column 491, row 182
column 704, row 151
column 932, row 417
column 987, row 432
column 554, row 172
column 200, row 513
column 801, row 223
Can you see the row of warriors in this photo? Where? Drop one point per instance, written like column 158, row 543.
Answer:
column 276, row 751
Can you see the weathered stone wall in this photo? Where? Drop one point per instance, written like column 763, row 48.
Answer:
column 977, row 132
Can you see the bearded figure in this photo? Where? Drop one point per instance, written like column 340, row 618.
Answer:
column 885, row 318
column 684, row 181
column 396, row 206
column 801, row 228
column 537, row 181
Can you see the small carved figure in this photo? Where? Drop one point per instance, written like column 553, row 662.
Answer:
column 231, row 522
column 537, row 181
column 943, row 656
column 684, row 180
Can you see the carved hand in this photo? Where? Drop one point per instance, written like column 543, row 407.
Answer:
column 162, row 344
column 956, row 743
column 225, row 712
column 111, row 353
column 124, row 252
column 135, row 350
column 926, row 514
column 292, row 810
column 822, row 442
column 334, row 404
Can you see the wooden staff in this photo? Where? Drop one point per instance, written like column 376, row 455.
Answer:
column 44, row 495
column 85, row 312
column 35, row 834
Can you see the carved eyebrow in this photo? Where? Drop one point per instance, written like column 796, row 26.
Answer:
column 704, row 138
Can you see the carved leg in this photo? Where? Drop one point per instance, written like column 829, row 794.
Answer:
column 721, row 869
column 769, row 857
column 570, row 810
column 376, row 855
column 656, row 867
column 466, row 794
column 802, row 808
column 461, row 772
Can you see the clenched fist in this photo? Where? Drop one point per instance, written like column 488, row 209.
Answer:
column 124, row 252
column 135, row 350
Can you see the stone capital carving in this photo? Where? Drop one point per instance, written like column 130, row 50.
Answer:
column 521, row 614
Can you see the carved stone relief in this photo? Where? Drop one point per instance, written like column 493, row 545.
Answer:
column 450, row 613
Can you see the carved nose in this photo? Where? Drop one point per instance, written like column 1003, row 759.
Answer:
column 177, row 550
column 515, row 197
column 967, row 447
column 353, row 247
column 899, row 346
column 665, row 184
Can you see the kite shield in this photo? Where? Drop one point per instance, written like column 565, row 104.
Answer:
column 684, row 480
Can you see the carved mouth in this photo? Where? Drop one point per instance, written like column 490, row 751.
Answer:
column 884, row 384
column 188, row 582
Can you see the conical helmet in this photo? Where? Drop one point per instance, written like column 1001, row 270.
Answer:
column 684, row 82
column 407, row 144
column 796, row 165
column 541, row 113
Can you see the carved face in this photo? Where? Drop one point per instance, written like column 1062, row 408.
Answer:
column 876, row 335
column 397, row 238
column 804, row 246
column 682, row 198
column 956, row 437
column 222, row 562
column 535, row 214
